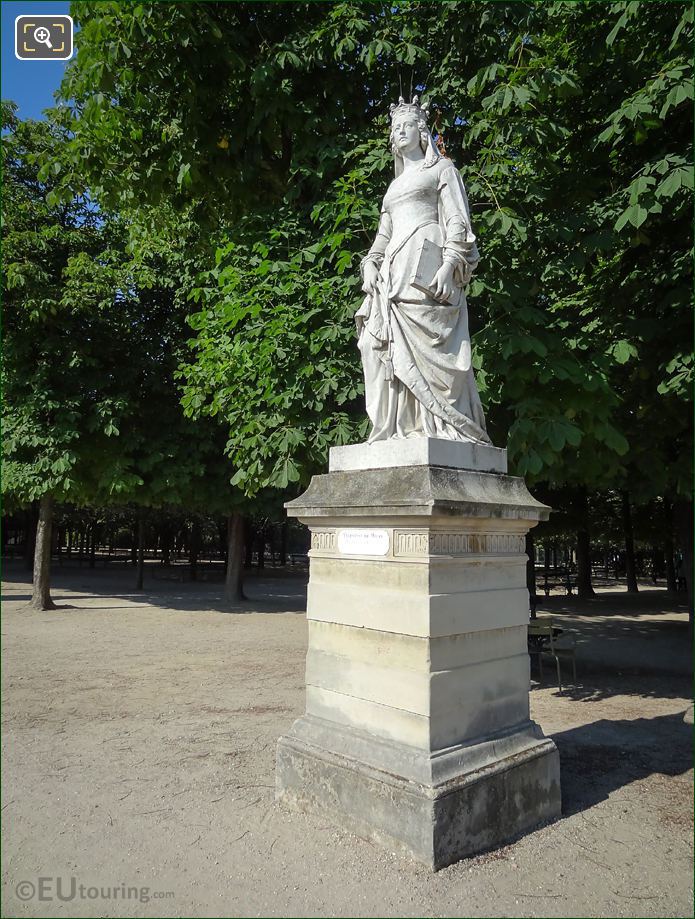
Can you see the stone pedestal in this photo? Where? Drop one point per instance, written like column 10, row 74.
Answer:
column 417, row 729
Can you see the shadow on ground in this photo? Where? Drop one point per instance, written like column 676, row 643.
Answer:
column 270, row 591
column 598, row 686
column 616, row 602
column 597, row 759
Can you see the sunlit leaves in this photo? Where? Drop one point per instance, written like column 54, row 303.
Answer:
column 572, row 126
column 284, row 326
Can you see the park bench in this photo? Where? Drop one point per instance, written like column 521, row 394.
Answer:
column 562, row 577
column 180, row 573
column 546, row 639
column 108, row 560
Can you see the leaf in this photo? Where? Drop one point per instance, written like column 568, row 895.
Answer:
column 615, row 440
column 573, row 435
column 623, row 351
column 622, row 220
column 506, row 223
column 533, row 462
column 638, row 215
column 683, row 176
column 183, row 177
column 522, row 94
column 557, row 437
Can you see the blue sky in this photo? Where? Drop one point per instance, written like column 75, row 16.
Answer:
column 30, row 84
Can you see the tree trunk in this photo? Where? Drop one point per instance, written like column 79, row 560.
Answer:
column 183, row 541
column 93, row 545
column 584, row 586
column 283, row 543
column 233, row 586
column 194, row 546
column 639, row 564
column 41, row 594
column 260, row 546
column 59, row 546
column 683, row 518
column 165, row 542
column 531, row 573
column 140, row 580
column 630, row 566
column 671, row 580
column 657, row 564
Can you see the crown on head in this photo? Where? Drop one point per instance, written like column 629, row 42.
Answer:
column 410, row 107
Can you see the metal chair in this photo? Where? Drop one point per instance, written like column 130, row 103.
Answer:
column 544, row 638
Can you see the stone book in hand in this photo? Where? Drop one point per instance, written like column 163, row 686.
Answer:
column 428, row 264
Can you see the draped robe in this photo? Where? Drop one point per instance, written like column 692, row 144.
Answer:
column 416, row 351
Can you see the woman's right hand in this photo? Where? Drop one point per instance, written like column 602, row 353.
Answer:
column 371, row 278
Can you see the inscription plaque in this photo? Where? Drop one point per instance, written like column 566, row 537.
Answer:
column 363, row 542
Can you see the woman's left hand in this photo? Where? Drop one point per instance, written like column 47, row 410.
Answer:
column 444, row 283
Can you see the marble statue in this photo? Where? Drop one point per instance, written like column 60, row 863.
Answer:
column 414, row 340
column 417, row 732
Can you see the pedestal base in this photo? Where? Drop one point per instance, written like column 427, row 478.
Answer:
column 418, row 451
column 417, row 729
column 486, row 802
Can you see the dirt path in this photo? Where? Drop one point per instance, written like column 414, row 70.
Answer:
column 138, row 752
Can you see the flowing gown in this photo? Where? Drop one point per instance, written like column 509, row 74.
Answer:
column 416, row 351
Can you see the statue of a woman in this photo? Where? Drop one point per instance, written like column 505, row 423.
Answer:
column 415, row 343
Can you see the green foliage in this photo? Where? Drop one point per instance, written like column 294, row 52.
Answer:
column 576, row 308
column 92, row 338
column 58, row 412
column 274, row 352
column 572, row 125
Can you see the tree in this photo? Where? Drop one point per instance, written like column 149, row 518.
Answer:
column 93, row 337
column 59, row 410
column 572, row 125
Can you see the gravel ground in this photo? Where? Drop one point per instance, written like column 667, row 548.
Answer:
column 138, row 759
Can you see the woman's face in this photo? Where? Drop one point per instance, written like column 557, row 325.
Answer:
column 406, row 134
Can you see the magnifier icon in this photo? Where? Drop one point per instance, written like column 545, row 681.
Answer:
column 43, row 36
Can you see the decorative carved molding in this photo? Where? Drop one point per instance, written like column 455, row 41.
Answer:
column 323, row 540
column 411, row 544
column 419, row 544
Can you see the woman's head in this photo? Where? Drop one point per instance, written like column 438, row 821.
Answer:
column 408, row 129
column 409, row 132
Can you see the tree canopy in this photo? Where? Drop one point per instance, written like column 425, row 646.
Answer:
column 571, row 124
column 183, row 235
